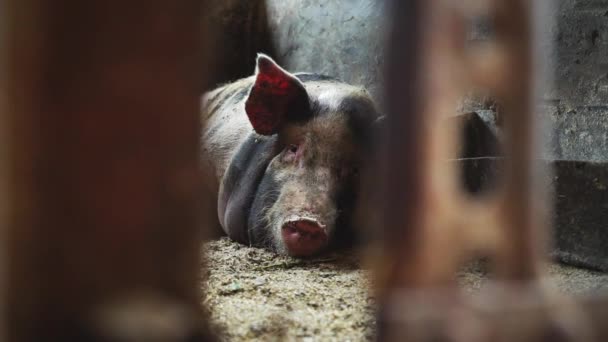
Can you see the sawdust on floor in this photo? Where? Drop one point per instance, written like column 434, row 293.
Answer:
column 254, row 295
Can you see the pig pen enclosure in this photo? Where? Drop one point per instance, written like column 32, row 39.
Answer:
column 484, row 213
column 330, row 297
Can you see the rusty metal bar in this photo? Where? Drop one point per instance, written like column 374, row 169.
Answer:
column 5, row 193
column 419, row 183
column 518, row 258
column 439, row 217
column 103, row 114
column 431, row 226
column 398, row 180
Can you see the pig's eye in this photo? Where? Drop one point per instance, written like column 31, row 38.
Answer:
column 293, row 148
column 291, row 153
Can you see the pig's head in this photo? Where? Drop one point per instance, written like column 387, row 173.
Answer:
column 292, row 185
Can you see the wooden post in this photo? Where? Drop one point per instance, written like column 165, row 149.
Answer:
column 102, row 108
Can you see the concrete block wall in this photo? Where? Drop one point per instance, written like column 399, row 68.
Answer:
column 578, row 101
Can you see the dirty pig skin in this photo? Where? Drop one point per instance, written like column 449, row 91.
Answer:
column 285, row 150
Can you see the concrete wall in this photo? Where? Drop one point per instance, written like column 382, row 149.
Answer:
column 578, row 102
column 338, row 38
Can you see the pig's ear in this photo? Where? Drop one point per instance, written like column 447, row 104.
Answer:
column 275, row 98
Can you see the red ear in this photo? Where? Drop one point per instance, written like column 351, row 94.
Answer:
column 275, row 98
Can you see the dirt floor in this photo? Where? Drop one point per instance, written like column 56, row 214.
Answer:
column 256, row 295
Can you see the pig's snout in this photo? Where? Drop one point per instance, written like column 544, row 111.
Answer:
column 303, row 237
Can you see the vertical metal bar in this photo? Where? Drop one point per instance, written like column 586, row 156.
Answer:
column 430, row 224
column 5, row 148
column 104, row 115
column 23, row 58
column 402, row 172
column 520, row 255
column 419, row 184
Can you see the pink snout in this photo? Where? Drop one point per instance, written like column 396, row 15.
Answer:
column 303, row 237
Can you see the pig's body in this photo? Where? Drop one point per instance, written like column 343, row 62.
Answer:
column 283, row 149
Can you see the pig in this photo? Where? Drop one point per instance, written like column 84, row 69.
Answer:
column 285, row 152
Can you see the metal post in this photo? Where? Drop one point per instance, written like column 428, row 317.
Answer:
column 104, row 227
column 431, row 227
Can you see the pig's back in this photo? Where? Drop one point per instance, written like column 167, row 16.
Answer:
column 226, row 125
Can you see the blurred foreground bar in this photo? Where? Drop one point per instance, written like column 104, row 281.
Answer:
column 431, row 227
column 102, row 115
